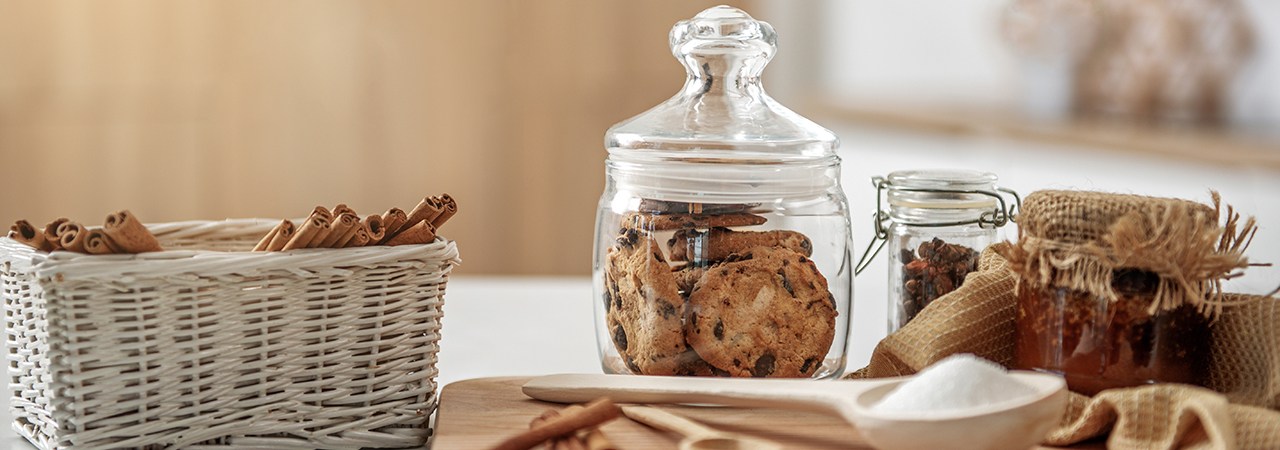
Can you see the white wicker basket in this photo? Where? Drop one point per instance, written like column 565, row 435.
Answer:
column 207, row 345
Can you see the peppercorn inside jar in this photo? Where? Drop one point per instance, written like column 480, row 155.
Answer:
column 938, row 223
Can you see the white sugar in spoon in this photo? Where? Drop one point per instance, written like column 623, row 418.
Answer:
column 1015, row 424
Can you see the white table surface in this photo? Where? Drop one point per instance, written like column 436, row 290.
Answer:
column 507, row 326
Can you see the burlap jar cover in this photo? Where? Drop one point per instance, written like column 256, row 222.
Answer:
column 1239, row 411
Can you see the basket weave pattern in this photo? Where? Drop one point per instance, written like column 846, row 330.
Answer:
column 207, row 345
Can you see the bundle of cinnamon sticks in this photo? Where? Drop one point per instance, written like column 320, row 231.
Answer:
column 341, row 227
column 574, row 428
column 120, row 233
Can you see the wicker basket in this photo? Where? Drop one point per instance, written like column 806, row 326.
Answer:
column 207, row 345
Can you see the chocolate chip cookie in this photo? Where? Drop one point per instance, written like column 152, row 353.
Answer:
column 718, row 243
column 653, row 206
column 687, row 277
column 765, row 312
column 644, row 310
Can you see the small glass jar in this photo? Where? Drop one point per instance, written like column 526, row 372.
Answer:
column 1098, row 344
column 722, row 236
column 938, row 222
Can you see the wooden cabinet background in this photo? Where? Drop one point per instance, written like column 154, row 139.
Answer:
column 181, row 110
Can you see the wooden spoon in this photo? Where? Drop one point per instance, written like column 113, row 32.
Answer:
column 696, row 436
column 1008, row 425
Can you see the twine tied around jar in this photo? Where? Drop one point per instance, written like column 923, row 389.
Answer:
column 1078, row 240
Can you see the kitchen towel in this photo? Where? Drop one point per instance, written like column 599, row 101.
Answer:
column 1239, row 411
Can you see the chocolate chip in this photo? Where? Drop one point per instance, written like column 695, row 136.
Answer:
column 718, row 331
column 786, row 284
column 631, row 364
column 607, row 299
column 764, row 366
column 620, row 338
column 737, row 362
column 629, row 238
column 718, row 372
column 808, row 362
column 668, row 310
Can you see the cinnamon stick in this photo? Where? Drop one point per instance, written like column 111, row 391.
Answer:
column 22, row 231
column 448, row 207
column 340, row 231
column 426, row 211
column 373, row 224
column 96, row 242
column 282, row 236
column 360, row 238
column 266, row 240
column 342, row 208
column 51, row 232
column 421, row 233
column 570, row 442
column 595, row 413
column 72, row 236
column 322, row 212
column 129, row 234
column 392, row 220
column 314, row 225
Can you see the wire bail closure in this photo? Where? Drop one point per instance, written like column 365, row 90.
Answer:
column 1002, row 214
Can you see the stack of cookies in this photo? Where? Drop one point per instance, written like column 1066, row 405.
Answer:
column 716, row 299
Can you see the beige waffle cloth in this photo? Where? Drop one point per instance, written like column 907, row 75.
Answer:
column 1239, row 412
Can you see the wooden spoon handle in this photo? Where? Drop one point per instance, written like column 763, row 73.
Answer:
column 808, row 395
column 666, row 421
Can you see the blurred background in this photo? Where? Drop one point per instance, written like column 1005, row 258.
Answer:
column 184, row 110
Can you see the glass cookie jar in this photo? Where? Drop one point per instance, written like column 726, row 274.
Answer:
column 937, row 224
column 722, row 236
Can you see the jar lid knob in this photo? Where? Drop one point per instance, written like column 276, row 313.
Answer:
column 724, row 43
column 722, row 111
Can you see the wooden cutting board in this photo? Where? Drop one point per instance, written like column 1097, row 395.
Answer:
column 477, row 414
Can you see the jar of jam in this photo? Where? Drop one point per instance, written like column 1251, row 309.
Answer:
column 722, row 236
column 1100, row 344
column 1106, row 292
column 937, row 224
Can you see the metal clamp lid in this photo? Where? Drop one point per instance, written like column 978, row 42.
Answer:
column 1003, row 213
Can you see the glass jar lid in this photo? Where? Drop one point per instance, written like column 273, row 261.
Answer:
column 941, row 189
column 722, row 112
column 938, row 198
